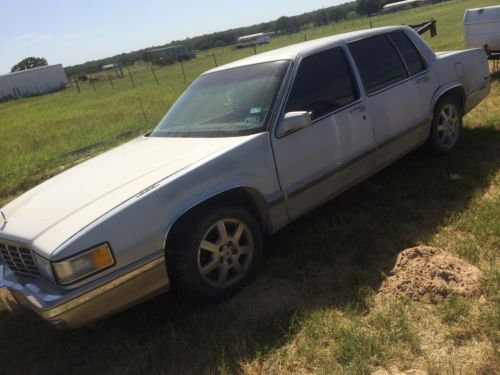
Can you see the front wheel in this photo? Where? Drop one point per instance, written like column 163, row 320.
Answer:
column 446, row 128
column 215, row 253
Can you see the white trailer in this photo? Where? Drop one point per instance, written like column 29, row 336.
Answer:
column 252, row 40
column 31, row 82
column 402, row 5
column 482, row 28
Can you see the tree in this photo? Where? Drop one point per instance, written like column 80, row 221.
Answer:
column 29, row 63
column 282, row 24
column 287, row 24
column 335, row 14
column 319, row 18
column 219, row 43
column 368, row 7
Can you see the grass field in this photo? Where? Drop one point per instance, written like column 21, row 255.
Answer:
column 313, row 307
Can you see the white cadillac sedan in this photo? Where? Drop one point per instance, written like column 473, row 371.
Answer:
column 247, row 148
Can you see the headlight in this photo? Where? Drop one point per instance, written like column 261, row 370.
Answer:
column 83, row 265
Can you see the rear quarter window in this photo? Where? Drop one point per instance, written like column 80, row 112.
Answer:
column 378, row 62
column 411, row 56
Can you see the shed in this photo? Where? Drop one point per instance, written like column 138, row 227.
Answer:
column 31, row 82
column 116, row 67
column 180, row 52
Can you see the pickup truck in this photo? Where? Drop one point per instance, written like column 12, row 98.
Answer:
column 246, row 149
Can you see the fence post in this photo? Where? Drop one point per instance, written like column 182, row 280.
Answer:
column 92, row 83
column 110, row 81
column 130, row 74
column 254, row 50
column 143, row 111
column 183, row 72
column 215, row 60
column 76, row 83
column 154, row 74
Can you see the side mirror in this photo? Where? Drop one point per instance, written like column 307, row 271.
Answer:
column 293, row 121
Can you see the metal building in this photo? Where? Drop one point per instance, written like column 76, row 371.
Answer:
column 31, row 82
column 180, row 52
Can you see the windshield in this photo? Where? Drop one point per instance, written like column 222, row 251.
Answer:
column 225, row 103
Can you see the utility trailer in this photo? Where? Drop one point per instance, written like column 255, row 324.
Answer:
column 482, row 29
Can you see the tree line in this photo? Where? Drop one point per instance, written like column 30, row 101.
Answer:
column 282, row 25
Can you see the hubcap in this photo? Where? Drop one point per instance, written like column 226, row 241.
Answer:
column 448, row 125
column 225, row 252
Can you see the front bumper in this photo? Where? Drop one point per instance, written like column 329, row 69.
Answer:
column 137, row 285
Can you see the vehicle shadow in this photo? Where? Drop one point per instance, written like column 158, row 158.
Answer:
column 322, row 260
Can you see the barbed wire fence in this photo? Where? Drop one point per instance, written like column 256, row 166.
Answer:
column 140, row 75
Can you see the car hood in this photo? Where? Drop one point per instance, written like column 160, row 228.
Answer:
column 57, row 209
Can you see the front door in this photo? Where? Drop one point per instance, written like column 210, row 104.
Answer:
column 308, row 160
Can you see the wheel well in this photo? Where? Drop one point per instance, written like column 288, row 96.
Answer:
column 457, row 92
column 242, row 196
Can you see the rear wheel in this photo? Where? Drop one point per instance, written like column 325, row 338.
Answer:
column 215, row 252
column 446, row 129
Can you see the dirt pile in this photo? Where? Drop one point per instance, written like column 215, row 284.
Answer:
column 427, row 271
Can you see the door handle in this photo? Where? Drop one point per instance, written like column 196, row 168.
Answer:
column 423, row 79
column 361, row 108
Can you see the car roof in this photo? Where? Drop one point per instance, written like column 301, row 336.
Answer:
column 294, row 51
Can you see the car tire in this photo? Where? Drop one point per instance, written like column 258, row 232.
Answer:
column 446, row 127
column 214, row 253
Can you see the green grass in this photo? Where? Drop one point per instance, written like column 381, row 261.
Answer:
column 313, row 308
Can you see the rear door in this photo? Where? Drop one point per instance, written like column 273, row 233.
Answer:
column 307, row 160
column 392, row 99
column 418, row 69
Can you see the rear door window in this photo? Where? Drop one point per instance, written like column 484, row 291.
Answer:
column 324, row 83
column 378, row 62
column 411, row 56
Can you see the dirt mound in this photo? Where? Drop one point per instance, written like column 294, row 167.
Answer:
column 425, row 270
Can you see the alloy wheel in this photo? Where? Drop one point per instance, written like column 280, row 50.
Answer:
column 225, row 252
column 448, row 125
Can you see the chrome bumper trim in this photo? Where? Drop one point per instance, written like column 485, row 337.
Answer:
column 78, row 301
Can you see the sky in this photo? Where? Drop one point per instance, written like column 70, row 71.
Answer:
column 75, row 31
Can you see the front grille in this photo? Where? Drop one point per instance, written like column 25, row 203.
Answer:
column 19, row 259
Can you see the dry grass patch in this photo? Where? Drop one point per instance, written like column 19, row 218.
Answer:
column 452, row 338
